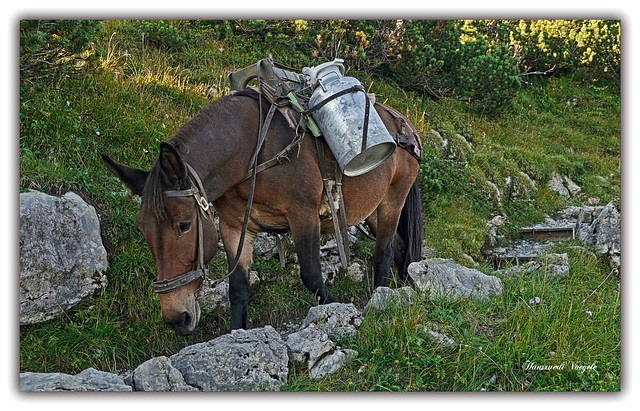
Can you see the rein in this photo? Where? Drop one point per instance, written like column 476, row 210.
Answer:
column 204, row 211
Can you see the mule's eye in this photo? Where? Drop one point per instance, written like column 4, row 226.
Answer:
column 184, row 227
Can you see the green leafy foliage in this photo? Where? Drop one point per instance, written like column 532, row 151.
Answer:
column 160, row 34
column 52, row 49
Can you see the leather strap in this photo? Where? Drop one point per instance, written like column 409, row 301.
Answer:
column 353, row 89
column 204, row 211
column 172, row 284
column 253, row 169
column 343, row 249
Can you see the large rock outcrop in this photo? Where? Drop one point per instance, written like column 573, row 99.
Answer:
column 599, row 228
column 243, row 360
column 446, row 279
column 62, row 259
column 87, row 380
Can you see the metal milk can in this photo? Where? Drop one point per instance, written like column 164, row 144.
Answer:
column 341, row 120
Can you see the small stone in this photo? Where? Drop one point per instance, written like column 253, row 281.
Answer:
column 336, row 319
column 383, row 297
column 440, row 338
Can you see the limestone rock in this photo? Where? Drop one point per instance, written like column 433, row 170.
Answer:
column 600, row 230
column 564, row 186
column 212, row 298
column 328, row 364
column 573, row 188
column 556, row 184
column 446, row 279
column 336, row 319
column 309, row 345
column 383, row 297
column 356, row 271
column 62, row 259
column 492, row 236
column 265, row 246
column 439, row 338
column 158, row 374
column 215, row 297
column 87, row 380
column 243, row 360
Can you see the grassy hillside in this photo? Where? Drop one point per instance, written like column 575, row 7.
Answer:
column 144, row 91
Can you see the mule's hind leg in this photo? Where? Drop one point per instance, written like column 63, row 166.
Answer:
column 398, row 252
column 400, row 258
column 239, row 277
column 384, row 224
column 383, row 249
column 305, row 232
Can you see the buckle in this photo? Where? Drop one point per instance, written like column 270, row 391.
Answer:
column 202, row 202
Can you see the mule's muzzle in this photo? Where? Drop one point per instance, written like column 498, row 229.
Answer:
column 184, row 323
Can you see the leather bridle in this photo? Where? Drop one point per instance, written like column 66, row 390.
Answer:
column 204, row 209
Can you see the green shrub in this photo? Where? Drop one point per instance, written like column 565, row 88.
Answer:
column 437, row 59
column 160, row 34
column 589, row 49
column 51, row 49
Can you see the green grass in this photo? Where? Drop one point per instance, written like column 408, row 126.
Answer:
column 494, row 338
column 143, row 94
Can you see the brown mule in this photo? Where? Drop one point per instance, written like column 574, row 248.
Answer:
column 213, row 151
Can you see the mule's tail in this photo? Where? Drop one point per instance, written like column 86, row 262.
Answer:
column 411, row 229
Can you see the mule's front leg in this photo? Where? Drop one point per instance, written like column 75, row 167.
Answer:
column 306, row 236
column 239, row 278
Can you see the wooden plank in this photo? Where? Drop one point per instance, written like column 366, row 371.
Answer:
column 549, row 233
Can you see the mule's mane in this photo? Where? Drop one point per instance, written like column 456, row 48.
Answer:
column 152, row 193
column 209, row 118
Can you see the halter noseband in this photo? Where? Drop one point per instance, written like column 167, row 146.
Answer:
column 204, row 211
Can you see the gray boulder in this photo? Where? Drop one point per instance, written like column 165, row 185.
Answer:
column 244, row 360
column 563, row 186
column 158, row 374
column 332, row 362
column 599, row 228
column 312, row 348
column 573, row 188
column 87, row 380
column 556, row 184
column 384, row 297
column 309, row 345
column 336, row 319
column 211, row 298
column 446, row 279
column 62, row 259
column 492, row 234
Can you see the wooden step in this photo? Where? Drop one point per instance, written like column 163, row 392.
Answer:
column 549, row 233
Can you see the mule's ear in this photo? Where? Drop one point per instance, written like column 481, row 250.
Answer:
column 173, row 166
column 133, row 178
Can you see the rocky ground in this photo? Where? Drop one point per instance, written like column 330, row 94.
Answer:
column 259, row 359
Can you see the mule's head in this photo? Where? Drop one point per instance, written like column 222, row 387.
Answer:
column 170, row 224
